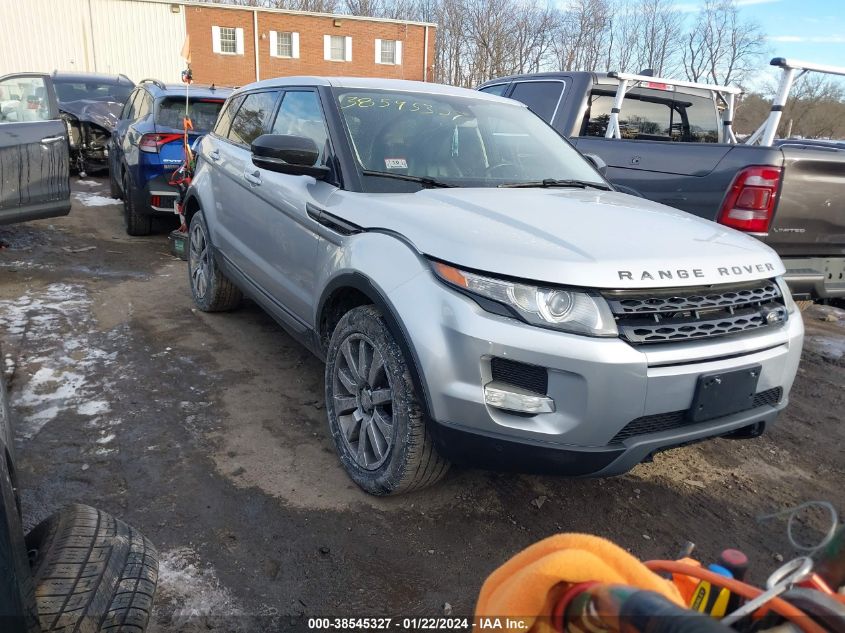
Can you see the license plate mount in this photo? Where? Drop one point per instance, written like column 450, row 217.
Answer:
column 724, row 393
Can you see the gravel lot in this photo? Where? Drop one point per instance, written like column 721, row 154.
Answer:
column 208, row 433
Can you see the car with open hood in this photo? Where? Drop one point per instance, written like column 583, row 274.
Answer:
column 479, row 292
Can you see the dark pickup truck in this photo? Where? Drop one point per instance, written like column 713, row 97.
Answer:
column 674, row 144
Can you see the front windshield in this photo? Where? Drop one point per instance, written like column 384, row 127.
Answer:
column 461, row 141
column 95, row 90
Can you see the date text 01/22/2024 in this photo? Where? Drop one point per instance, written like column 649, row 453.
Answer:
column 409, row 624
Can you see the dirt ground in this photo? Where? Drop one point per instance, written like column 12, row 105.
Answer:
column 208, row 433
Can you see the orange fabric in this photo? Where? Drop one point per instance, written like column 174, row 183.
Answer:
column 522, row 592
column 686, row 584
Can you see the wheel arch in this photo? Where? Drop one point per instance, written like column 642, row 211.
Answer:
column 350, row 290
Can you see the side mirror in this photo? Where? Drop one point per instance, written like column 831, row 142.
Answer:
column 598, row 163
column 293, row 155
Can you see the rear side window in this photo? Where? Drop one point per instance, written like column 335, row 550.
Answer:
column 221, row 128
column 656, row 115
column 541, row 97
column 251, row 121
column 129, row 107
column 202, row 112
column 143, row 105
column 498, row 89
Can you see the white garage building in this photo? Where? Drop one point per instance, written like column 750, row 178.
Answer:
column 140, row 38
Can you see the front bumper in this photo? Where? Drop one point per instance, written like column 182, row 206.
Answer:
column 599, row 385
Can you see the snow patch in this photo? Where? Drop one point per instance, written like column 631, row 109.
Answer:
column 192, row 588
column 827, row 346
column 93, row 200
column 90, row 183
column 58, row 361
column 93, row 407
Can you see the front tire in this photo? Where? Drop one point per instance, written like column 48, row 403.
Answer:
column 375, row 417
column 137, row 224
column 93, row 573
column 211, row 290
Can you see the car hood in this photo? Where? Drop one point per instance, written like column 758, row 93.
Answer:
column 581, row 237
column 102, row 113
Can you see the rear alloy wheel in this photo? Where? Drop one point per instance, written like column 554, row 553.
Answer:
column 375, row 417
column 211, row 290
column 136, row 224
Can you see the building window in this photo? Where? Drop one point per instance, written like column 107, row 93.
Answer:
column 337, row 48
column 284, row 44
column 388, row 52
column 228, row 42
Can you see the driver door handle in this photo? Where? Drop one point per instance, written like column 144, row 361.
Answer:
column 214, row 155
column 253, row 177
column 47, row 140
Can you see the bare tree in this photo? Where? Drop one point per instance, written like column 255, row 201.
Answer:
column 722, row 47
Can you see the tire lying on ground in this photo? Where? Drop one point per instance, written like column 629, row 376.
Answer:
column 93, row 573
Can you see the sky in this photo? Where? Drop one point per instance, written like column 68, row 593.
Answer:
column 806, row 30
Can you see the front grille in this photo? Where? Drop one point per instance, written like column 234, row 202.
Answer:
column 681, row 314
column 667, row 421
column 530, row 377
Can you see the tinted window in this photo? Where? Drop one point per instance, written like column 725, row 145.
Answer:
column 660, row 115
column 202, row 112
column 129, row 107
column 251, row 120
column 300, row 115
column 225, row 119
column 498, row 89
column 541, row 97
column 97, row 90
column 143, row 105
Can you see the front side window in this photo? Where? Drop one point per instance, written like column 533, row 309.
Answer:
column 228, row 40
column 462, row 141
column 251, row 120
column 224, row 121
column 24, row 99
column 301, row 115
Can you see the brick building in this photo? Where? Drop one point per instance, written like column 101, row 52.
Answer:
column 229, row 45
column 237, row 45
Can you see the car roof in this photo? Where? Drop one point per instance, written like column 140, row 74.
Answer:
column 374, row 84
column 178, row 89
column 98, row 77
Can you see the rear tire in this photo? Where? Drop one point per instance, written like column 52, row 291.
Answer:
column 93, row 573
column 211, row 289
column 371, row 400
column 136, row 223
column 114, row 190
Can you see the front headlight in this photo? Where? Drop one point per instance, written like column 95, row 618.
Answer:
column 566, row 310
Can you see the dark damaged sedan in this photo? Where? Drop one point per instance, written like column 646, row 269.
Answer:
column 90, row 104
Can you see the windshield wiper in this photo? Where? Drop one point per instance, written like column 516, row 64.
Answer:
column 553, row 182
column 426, row 181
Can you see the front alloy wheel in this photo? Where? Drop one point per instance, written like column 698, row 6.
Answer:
column 375, row 416
column 363, row 401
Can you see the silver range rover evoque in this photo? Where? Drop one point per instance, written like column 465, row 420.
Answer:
column 479, row 292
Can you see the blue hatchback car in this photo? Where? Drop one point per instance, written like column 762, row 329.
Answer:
column 147, row 146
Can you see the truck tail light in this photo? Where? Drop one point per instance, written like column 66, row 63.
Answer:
column 750, row 202
column 152, row 143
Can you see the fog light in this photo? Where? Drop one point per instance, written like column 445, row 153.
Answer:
column 511, row 398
